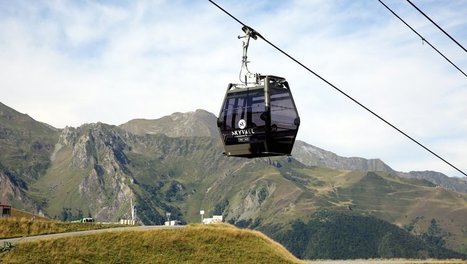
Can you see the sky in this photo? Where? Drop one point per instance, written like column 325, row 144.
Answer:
column 66, row 63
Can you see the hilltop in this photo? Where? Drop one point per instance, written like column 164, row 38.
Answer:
column 195, row 244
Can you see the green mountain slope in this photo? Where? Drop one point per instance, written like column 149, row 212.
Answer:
column 337, row 235
column 25, row 148
column 26, row 143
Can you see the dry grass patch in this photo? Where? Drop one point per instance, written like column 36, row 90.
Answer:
column 13, row 227
column 18, row 214
column 193, row 244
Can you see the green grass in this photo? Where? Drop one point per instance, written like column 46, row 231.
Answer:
column 58, row 185
column 193, row 244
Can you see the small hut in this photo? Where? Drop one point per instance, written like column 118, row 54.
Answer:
column 5, row 210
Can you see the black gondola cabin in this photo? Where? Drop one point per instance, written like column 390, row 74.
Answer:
column 259, row 120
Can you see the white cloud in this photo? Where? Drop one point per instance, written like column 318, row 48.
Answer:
column 68, row 63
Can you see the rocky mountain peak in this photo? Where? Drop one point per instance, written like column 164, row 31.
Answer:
column 199, row 123
column 98, row 151
column 91, row 140
column 439, row 179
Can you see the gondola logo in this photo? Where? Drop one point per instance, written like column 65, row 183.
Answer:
column 242, row 124
column 242, row 132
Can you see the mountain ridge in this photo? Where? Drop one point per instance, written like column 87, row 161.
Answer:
column 308, row 154
column 192, row 124
column 314, row 156
column 98, row 169
column 201, row 123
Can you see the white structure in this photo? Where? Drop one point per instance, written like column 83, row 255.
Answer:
column 127, row 222
column 201, row 212
column 172, row 223
column 133, row 210
column 214, row 219
column 132, row 221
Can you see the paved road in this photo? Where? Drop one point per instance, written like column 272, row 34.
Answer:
column 82, row 233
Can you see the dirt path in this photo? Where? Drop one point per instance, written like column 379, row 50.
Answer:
column 82, row 233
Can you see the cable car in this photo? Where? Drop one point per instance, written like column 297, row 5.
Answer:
column 258, row 118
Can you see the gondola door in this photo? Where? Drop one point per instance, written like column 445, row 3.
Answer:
column 240, row 122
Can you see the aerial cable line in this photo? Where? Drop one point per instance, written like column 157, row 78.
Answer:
column 434, row 23
column 423, row 39
column 339, row 90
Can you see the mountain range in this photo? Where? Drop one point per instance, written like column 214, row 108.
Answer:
column 174, row 164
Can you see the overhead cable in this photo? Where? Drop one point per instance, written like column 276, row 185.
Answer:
column 423, row 39
column 434, row 23
column 339, row 90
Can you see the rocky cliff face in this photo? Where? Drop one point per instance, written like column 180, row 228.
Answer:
column 97, row 169
column 10, row 189
column 99, row 150
column 99, row 181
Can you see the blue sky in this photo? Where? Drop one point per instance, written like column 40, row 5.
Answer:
column 67, row 63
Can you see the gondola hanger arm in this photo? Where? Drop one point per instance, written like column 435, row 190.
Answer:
column 249, row 33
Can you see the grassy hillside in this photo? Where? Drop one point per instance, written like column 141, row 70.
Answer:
column 19, row 214
column 26, row 146
column 58, row 187
column 194, row 244
column 332, row 235
column 18, row 227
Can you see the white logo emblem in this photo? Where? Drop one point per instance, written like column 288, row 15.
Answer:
column 241, row 124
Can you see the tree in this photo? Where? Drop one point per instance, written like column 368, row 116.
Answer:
column 66, row 214
column 434, row 234
column 220, row 207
